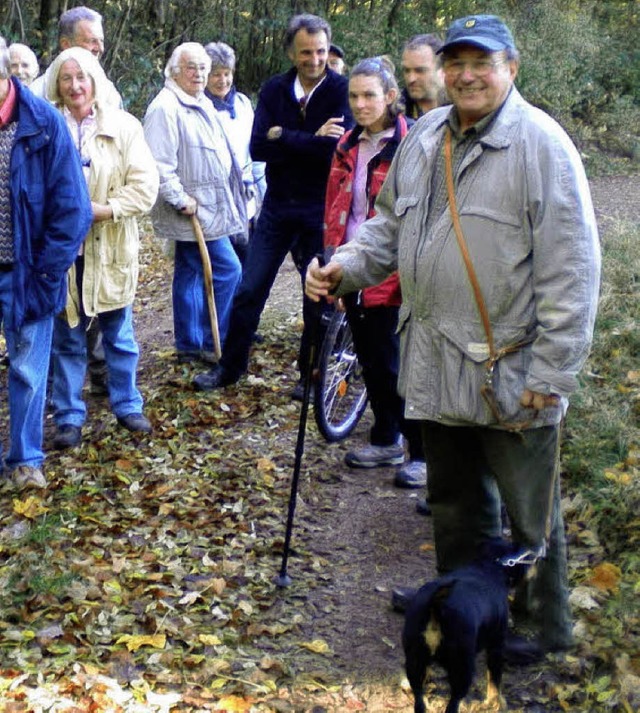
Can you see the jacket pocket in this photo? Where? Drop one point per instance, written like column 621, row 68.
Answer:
column 45, row 294
column 463, row 358
column 406, row 211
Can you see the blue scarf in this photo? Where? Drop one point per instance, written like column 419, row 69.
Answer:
column 226, row 104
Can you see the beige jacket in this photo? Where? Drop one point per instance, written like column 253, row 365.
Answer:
column 122, row 173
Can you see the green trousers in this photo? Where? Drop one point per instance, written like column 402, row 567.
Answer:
column 471, row 470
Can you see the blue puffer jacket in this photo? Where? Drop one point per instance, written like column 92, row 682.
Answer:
column 50, row 207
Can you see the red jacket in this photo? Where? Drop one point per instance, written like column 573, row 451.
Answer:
column 340, row 196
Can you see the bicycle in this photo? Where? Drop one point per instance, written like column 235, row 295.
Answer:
column 340, row 395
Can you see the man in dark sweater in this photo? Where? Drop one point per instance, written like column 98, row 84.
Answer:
column 299, row 118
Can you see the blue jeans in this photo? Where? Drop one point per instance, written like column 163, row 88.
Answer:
column 70, row 366
column 191, row 323
column 29, row 350
column 471, row 469
column 283, row 227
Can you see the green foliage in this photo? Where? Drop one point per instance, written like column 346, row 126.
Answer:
column 580, row 60
column 603, row 423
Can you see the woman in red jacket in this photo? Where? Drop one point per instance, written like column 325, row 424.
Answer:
column 358, row 170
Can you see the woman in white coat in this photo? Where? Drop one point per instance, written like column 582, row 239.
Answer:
column 198, row 175
column 123, row 184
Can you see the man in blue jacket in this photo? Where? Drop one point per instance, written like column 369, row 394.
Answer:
column 299, row 118
column 45, row 213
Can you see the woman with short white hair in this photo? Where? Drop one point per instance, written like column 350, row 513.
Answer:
column 200, row 176
column 123, row 183
column 24, row 63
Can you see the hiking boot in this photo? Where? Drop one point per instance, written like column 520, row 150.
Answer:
column 29, row 476
column 423, row 507
column 520, row 651
column 136, row 422
column 375, row 456
column 67, row 436
column 98, row 384
column 411, row 475
column 215, row 378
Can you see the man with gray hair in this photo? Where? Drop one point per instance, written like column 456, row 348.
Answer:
column 300, row 116
column 424, row 87
column 80, row 27
column 45, row 213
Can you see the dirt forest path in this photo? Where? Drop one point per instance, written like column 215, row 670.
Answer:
column 179, row 535
column 365, row 534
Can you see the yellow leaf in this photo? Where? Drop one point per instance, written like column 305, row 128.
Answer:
column 29, row 508
column 232, row 704
column 617, row 476
column 124, row 464
column 218, row 683
column 427, row 547
column 157, row 641
column 606, row 577
column 318, row 646
column 209, row 640
column 265, row 465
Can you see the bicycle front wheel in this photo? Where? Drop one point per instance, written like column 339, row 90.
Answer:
column 340, row 391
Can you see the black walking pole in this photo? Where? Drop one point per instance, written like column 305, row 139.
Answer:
column 282, row 579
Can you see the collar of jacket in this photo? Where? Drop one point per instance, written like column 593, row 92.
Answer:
column 352, row 138
column 199, row 102
column 31, row 121
column 499, row 133
column 329, row 84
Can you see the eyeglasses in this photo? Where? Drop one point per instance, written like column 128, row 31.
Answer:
column 193, row 68
column 478, row 68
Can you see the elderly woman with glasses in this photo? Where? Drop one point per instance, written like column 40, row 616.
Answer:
column 236, row 116
column 123, row 184
column 199, row 176
column 358, row 170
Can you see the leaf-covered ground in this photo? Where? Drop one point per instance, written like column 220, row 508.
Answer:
column 142, row 580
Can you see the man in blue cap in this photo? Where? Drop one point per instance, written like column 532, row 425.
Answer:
column 487, row 216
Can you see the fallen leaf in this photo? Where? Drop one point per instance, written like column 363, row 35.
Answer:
column 134, row 642
column 30, row 508
column 318, row 646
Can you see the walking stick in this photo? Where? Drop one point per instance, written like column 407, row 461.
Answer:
column 282, row 579
column 208, row 285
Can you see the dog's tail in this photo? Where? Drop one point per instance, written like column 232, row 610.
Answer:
column 433, row 632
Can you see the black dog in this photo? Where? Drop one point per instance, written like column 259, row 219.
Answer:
column 459, row 614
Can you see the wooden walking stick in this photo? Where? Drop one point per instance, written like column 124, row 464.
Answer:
column 208, row 285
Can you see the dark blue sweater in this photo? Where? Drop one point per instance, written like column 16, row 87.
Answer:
column 298, row 162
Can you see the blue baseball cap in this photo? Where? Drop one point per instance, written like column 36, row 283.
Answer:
column 487, row 32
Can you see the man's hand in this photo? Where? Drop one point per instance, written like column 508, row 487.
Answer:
column 536, row 400
column 190, row 208
column 332, row 128
column 275, row 132
column 321, row 281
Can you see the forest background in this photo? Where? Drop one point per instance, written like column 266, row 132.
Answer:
column 581, row 59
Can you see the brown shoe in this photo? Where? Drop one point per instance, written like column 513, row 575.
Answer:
column 28, row 476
